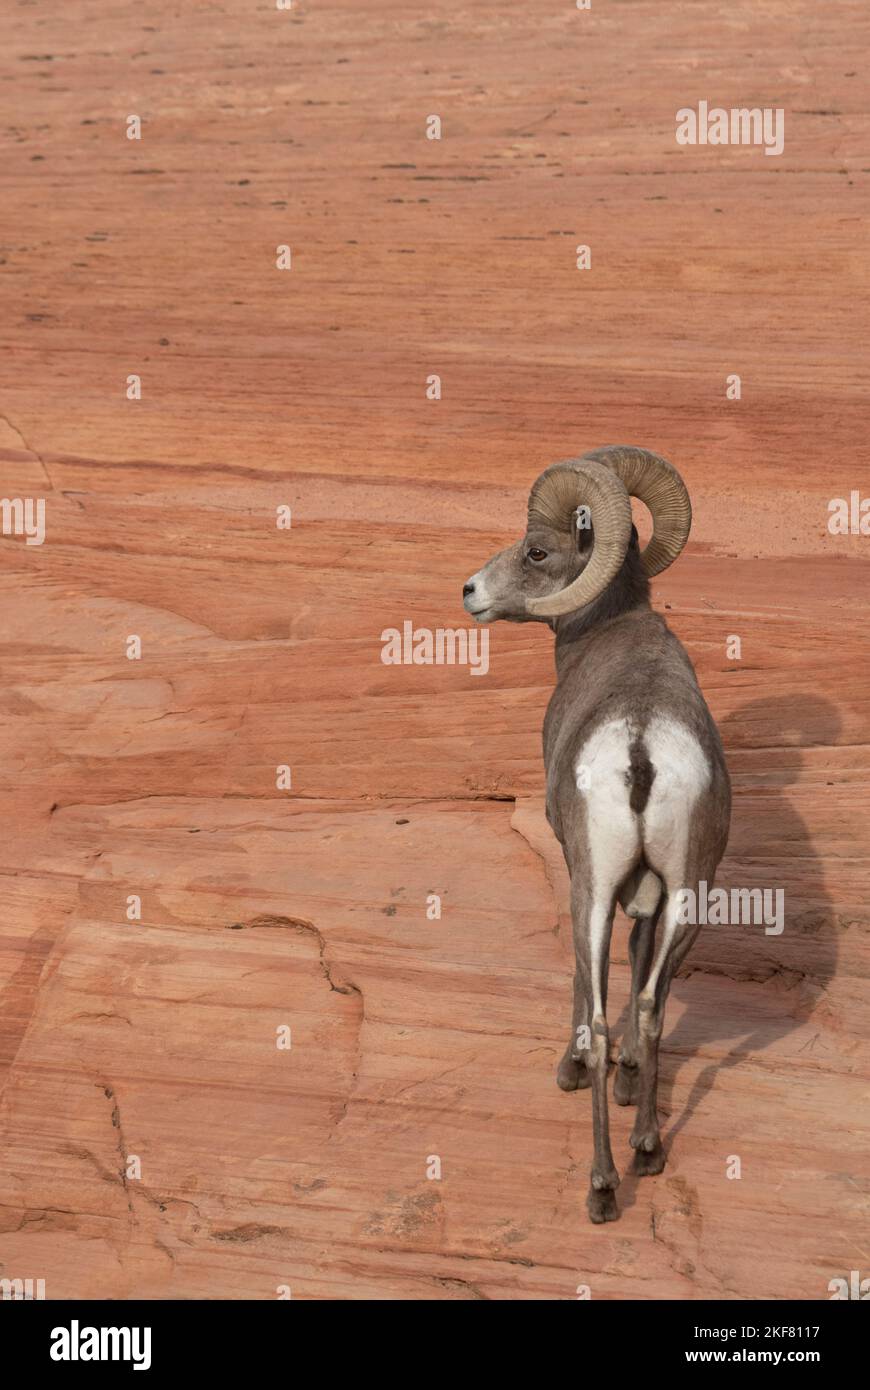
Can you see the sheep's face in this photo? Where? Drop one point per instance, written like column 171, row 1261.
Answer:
column 542, row 563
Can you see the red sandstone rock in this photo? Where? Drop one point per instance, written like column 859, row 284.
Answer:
column 263, row 908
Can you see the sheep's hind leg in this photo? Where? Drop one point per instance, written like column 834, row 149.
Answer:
column 626, row 1085
column 677, row 937
column 573, row 1073
column 593, row 923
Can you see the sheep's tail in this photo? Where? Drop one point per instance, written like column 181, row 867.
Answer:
column 641, row 775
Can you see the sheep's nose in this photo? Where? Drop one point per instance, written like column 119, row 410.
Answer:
column 467, row 589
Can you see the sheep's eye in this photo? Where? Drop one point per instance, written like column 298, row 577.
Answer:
column 537, row 554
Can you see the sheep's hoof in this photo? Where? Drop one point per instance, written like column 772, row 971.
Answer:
column 647, row 1161
column 601, row 1205
column 626, row 1083
column 572, row 1074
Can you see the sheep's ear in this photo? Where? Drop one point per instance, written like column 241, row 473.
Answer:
column 586, row 535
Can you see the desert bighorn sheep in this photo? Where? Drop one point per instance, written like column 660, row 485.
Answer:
column 637, row 789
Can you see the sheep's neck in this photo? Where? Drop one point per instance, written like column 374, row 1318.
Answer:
column 628, row 593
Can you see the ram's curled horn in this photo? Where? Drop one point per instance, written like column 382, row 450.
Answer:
column 657, row 484
column 603, row 480
column 553, row 503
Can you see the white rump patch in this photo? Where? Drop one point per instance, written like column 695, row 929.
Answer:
column 616, row 834
column 612, row 828
column 601, row 774
column 682, row 775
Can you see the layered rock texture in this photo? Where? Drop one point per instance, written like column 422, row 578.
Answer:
column 288, row 1072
